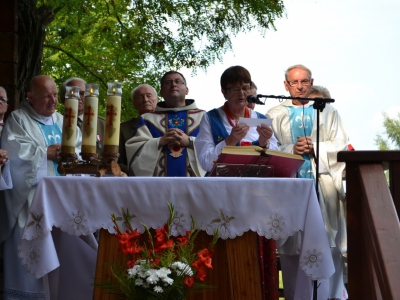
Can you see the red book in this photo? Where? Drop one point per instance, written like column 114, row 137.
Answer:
column 285, row 164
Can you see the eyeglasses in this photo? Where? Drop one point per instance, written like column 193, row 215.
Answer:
column 304, row 82
column 3, row 99
column 176, row 81
column 243, row 89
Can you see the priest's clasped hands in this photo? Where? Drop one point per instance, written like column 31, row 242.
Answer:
column 304, row 145
column 174, row 137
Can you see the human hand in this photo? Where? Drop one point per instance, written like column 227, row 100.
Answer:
column 303, row 145
column 174, row 137
column 3, row 157
column 53, row 151
column 265, row 133
column 237, row 134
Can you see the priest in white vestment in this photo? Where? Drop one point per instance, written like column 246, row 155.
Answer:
column 32, row 138
column 295, row 124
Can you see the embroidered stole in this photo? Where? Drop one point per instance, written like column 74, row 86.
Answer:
column 51, row 135
column 173, row 166
column 301, row 124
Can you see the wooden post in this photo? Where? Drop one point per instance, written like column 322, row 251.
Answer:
column 373, row 233
column 9, row 50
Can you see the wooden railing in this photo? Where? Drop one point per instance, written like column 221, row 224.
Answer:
column 373, row 230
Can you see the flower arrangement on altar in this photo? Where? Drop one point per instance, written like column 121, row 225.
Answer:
column 163, row 267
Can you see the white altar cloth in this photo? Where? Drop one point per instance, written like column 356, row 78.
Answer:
column 273, row 207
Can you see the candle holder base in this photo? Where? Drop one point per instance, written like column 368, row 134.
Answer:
column 90, row 157
column 66, row 161
column 107, row 157
column 91, row 164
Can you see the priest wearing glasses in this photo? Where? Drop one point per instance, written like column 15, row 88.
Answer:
column 295, row 127
column 163, row 143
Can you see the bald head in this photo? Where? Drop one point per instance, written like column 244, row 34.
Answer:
column 42, row 95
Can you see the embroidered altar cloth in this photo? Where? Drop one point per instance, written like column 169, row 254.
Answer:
column 273, row 207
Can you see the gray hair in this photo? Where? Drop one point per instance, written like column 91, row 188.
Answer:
column 65, row 84
column 317, row 89
column 3, row 89
column 143, row 85
column 253, row 85
column 298, row 67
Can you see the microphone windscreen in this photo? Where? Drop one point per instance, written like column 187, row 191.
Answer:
column 252, row 99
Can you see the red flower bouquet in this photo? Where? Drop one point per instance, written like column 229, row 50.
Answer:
column 165, row 266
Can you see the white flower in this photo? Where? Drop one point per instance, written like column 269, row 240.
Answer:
column 142, row 273
column 139, row 282
column 163, row 272
column 152, row 276
column 168, row 280
column 132, row 272
column 158, row 289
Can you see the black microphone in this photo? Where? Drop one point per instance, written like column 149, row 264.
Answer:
column 254, row 99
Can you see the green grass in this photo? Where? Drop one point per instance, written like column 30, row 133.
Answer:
column 280, row 284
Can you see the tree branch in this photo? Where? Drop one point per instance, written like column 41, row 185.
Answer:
column 117, row 16
column 70, row 55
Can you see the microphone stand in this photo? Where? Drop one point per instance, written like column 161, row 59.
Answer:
column 319, row 105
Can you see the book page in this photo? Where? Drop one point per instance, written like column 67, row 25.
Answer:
column 252, row 122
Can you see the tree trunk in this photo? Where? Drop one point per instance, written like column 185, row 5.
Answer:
column 32, row 23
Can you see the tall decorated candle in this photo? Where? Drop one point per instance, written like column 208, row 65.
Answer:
column 113, row 117
column 70, row 119
column 89, row 126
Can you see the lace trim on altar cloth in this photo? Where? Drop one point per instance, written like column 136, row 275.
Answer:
column 78, row 221
column 179, row 224
column 77, row 225
column 275, row 225
column 32, row 256
column 313, row 258
column 10, row 294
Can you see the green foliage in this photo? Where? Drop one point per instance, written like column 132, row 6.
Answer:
column 135, row 42
column 392, row 127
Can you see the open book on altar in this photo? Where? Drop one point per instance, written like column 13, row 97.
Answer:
column 284, row 164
